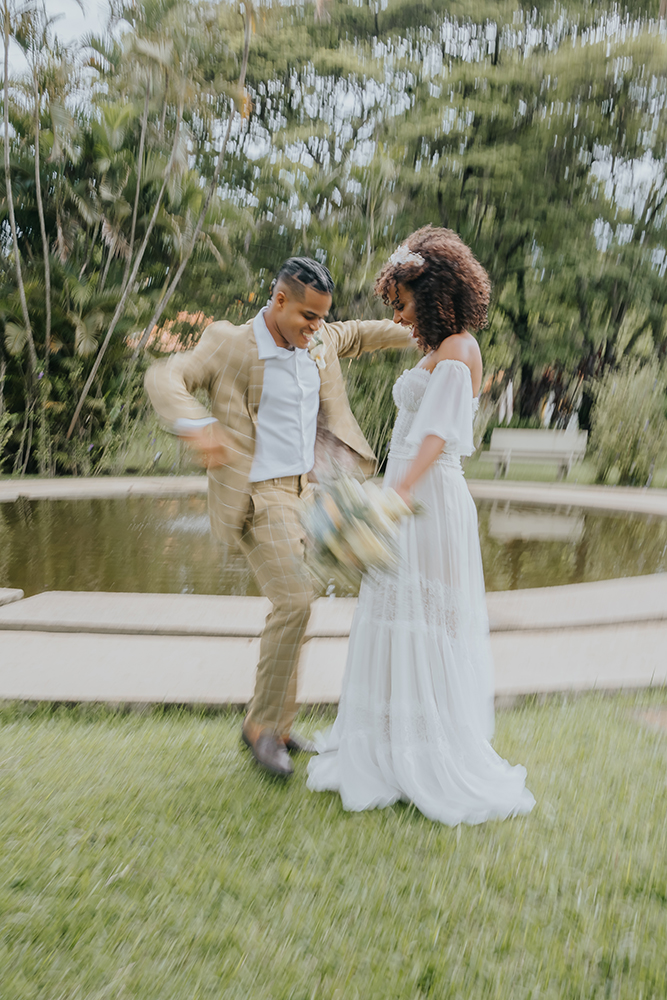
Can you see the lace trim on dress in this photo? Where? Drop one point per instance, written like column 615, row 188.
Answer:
column 416, row 603
column 407, row 395
column 415, row 732
column 412, row 734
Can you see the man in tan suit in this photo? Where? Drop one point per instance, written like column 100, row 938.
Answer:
column 267, row 397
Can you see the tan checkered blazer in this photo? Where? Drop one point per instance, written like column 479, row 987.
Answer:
column 225, row 363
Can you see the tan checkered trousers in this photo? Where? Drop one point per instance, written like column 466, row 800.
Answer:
column 263, row 518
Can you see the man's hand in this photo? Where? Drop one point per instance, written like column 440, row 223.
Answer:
column 211, row 444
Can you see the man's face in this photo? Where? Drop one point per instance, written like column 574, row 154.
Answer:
column 293, row 321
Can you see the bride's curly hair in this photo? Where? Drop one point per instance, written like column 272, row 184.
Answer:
column 450, row 287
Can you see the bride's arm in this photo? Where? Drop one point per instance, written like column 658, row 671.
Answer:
column 430, row 449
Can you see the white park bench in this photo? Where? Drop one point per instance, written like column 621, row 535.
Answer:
column 559, row 448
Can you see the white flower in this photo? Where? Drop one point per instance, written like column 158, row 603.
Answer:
column 317, row 350
column 402, row 255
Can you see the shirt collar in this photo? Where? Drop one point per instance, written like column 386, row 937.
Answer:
column 266, row 345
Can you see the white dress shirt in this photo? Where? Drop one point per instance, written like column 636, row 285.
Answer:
column 288, row 408
column 287, row 416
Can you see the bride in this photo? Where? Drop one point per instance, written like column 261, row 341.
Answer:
column 416, row 712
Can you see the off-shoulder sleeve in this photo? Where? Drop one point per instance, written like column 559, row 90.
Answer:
column 446, row 409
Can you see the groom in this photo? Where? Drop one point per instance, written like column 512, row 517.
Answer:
column 268, row 396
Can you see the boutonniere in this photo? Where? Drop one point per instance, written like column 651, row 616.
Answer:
column 316, row 350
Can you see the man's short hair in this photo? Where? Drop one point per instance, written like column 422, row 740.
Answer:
column 299, row 272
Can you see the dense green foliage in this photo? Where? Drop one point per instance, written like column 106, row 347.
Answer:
column 628, row 432
column 538, row 134
column 146, row 857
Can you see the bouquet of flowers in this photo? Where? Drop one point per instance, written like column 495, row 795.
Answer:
column 351, row 528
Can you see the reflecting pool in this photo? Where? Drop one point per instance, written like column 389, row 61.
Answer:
column 143, row 544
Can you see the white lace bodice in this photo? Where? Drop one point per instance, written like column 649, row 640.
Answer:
column 447, row 409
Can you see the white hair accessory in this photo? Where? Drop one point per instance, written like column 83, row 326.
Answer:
column 403, row 255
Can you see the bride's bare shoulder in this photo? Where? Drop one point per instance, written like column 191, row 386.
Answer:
column 459, row 347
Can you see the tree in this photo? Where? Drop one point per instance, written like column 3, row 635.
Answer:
column 9, row 15
column 540, row 143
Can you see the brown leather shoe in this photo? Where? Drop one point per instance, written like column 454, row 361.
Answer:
column 270, row 753
column 296, row 743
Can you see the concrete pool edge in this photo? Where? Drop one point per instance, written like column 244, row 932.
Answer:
column 605, row 642
column 626, row 499
column 9, row 595
column 210, row 670
column 544, row 640
column 640, row 600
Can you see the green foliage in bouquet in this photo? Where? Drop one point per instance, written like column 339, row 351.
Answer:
column 628, row 424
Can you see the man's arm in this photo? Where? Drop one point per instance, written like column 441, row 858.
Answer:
column 170, row 385
column 354, row 337
column 171, row 382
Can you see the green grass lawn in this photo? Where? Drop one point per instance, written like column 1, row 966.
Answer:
column 143, row 856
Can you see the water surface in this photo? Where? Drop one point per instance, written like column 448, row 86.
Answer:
column 149, row 545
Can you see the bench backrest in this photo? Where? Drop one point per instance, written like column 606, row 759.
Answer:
column 520, row 439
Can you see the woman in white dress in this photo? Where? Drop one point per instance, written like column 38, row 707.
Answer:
column 416, row 711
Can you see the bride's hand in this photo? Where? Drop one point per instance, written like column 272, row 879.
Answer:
column 405, row 495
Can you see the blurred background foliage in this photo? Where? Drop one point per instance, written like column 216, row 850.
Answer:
column 536, row 133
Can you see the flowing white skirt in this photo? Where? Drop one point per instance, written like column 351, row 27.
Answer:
column 416, row 711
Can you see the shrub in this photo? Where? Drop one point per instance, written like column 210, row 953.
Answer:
column 628, row 424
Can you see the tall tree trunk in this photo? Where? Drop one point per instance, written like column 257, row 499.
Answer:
column 526, row 401
column 42, row 226
column 32, row 354
column 31, row 427
column 140, row 160
column 18, row 461
column 93, row 241
column 105, row 271
column 164, row 301
column 44, row 439
column 130, row 282
column 163, row 116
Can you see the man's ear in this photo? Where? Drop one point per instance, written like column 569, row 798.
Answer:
column 279, row 298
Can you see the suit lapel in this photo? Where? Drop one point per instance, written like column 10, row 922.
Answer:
column 330, row 384
column 335, row 415
column 255, row 376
